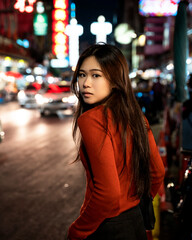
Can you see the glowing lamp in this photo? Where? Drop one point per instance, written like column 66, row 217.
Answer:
column 141, row 40
column 59, row 49
column 124, row 34
column 60, row 4
column 29, row 9
column 101, row 29
column 59, row 14
column 59, row 38
column 58, row 26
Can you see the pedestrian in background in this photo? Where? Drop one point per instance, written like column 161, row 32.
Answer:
column 116, row 147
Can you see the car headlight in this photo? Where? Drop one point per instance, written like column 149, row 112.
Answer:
column 21, row 95
column 65, row 99
column 40, row 99
column 70, row 99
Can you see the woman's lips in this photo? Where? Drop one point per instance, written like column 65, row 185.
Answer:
column 87, row 94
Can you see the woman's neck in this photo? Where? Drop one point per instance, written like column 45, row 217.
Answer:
column 87, row 107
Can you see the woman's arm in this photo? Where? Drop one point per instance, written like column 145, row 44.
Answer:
column 104, row 201
column 157, row 169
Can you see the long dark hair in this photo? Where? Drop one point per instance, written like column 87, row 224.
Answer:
column 124, row 107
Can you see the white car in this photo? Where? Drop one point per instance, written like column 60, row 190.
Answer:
column 26, row 97
column 56, row 98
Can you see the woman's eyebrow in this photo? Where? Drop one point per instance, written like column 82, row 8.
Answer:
column 91, row 70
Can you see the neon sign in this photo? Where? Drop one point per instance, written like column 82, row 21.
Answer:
column 40, row 24
column 60, row 19
column 22, row 7
column 74, row 30
column 158, row 7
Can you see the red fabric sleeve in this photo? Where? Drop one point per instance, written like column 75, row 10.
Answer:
column 104, row 201
column 157, row 169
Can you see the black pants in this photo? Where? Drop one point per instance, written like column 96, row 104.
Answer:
column 127, row 226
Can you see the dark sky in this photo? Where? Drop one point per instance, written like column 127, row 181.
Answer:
column 87, row 11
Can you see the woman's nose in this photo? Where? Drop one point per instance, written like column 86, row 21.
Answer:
column 87, row 82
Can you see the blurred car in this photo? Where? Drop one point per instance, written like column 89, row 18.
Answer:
column 2, row 134
column 26, row 97
column 56, row 98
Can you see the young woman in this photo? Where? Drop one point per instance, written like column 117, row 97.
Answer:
column 116, row 147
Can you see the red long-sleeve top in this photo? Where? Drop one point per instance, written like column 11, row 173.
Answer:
column 107, row 190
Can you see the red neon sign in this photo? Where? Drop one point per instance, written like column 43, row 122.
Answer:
column 59, row 38
column 60, row 4
column 58, row 26
column 59, row 14
column 56, row 49
column 20, row 5
column 60, row 18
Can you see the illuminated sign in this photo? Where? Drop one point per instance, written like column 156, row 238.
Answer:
column 158, row 7
column 40, row 7
column 59, row 63
column 24, row 43
column 60, row 19
column 59, row 14
column 59, row 38
column 40, row 24
column 22, row 7
column 60, row 4
column 74, row 30
column 101, row 29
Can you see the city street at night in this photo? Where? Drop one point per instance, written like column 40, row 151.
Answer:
column 40, row 191
column 61, row 58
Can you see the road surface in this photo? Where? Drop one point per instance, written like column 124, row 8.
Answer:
column 40, row 191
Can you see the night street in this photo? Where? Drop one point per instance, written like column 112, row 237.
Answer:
column 61, row 57
column 40, row 191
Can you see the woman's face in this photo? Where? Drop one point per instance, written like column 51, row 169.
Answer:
column 93, row 85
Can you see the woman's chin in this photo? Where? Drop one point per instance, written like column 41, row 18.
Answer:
column 89, row 101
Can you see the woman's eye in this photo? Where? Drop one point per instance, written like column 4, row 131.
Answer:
column 81, row 75
column 96, row 75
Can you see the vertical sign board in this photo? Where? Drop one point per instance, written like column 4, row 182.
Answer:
column 60, row 18
column 74, row 30
column 40, row 24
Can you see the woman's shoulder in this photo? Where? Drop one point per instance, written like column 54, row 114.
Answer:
column 92, row 112
column 95, row 114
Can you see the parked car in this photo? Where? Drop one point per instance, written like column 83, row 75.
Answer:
column 26, row 97
column 2, row 134
column 56, row 98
